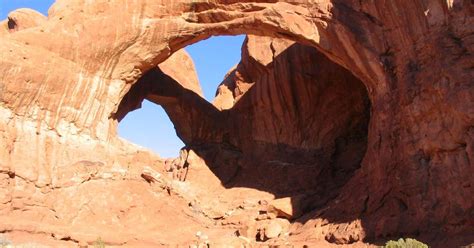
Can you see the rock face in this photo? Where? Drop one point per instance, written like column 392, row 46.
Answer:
column 405, row 172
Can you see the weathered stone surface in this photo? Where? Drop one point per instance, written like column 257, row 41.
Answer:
column 181, row 68
column 286, row 207
column 257, row 53
column 273, row 230
column 62, row 82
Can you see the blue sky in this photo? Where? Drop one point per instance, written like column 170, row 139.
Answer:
column 8, row 5
column 150, row 126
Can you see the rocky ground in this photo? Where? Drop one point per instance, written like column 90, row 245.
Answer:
column 198, row 212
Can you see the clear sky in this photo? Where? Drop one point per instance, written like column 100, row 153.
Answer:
column 8, row 5
column 150, row 126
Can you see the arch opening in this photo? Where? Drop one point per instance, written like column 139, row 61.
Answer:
column 145, row 122
column 285, row 120
column 150, row 127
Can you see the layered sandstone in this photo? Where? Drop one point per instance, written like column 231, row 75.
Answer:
column 63, row 79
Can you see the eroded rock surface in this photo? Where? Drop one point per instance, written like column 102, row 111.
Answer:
column 63, row 81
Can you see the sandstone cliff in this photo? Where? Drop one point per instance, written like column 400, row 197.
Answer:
column 64, row 77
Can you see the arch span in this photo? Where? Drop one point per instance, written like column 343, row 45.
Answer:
column 345, row 45
column 416, row 65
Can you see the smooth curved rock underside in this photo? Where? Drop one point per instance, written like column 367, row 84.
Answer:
column 362, row 112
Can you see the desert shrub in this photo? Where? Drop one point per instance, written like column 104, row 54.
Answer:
column 405, row 243
column 99, row 243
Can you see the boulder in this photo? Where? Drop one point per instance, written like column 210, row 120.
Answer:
column 273, row 229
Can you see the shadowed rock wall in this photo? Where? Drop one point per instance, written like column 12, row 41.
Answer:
column 62, row 81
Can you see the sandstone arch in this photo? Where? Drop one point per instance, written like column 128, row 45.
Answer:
column 417, row 65
column 290, row 106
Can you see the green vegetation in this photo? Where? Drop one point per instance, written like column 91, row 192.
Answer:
column 405, row 243
column 99, row 243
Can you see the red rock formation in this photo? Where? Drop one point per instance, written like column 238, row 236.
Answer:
column 304, row 120
column 62, row 82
